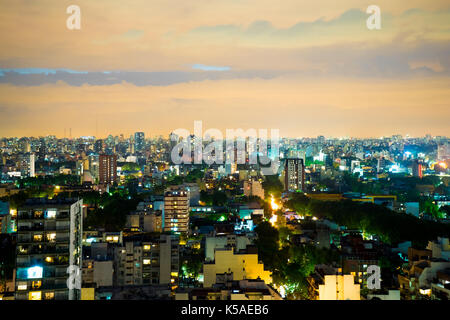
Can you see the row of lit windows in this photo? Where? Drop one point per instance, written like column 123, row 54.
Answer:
column 49, row 237
column 37, row 295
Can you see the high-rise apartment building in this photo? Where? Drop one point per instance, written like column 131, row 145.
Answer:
column 381, row 164
column 98, row 146
column 443, row 151
column 417, row 168
column 49, row 235
column 147, row 261
column 139, row 141
column 107, row 169
column 294, row 175
column 27, row 165
column 176, row 210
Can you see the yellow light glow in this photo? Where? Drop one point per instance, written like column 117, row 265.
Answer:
column 425, row 291
column 273, row 219
column 273, row 204
column 35, row 295
column 22, row 287
column 443, row 165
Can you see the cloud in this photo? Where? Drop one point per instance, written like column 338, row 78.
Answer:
column 165, row 78
column 350, row 26
column 210, row 68
column 45, row 71
column 395, row 60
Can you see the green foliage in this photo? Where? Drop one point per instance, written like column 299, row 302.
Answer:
column 272, row 186
column 194, row 175
column 310, row 160
column 267, row 244
column 193, row 262
column 445, row 210
column 290, row 265
column 40, row 181
column 428, row 207
column 131, row 166
column 216, row 198
column 296, row 264
column 175, row 180
column 391, row 226
column 112, row 214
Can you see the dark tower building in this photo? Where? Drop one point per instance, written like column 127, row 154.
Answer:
column 107, row 169
column 294, row 175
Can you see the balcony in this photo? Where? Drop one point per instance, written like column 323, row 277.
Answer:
column 62, row 228
column 63, row 216
column 29, row 229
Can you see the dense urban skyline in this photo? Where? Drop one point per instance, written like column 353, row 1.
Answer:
column 167, row 136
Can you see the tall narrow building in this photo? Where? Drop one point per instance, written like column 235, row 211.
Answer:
column 27, row 165
column 294, row 175
column 139, row 142
column 49, row 235
column 107, row 169
column 176, row 210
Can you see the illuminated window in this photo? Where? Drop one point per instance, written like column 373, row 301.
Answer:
column 37, row 237
column 49, row 295
column 38, row 213
column 147, row 247
column 22, row 286
column 51, row 214
column 35, row 295
column 49, row 259
column 34, row 272
column 36, row 284
column 146, row 261
column 51, row 237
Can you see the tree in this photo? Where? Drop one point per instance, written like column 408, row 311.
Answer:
column 272, row 186
column 194, row 263
column 267, row 244
column 445, row 210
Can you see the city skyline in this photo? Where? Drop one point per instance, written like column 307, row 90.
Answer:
column 305, row 69
column 167, row 136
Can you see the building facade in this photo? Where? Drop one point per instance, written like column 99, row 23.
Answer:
column 176, row 210
column 107, row 169
column 48, row 243
column 147, row 261
column 294, row 175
